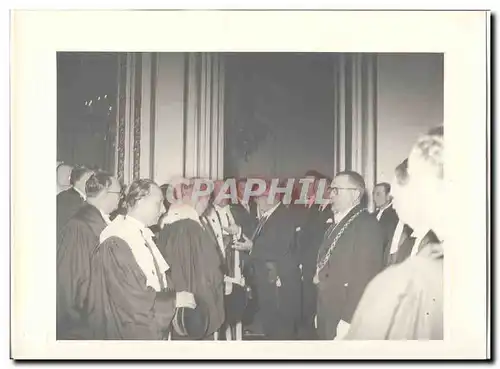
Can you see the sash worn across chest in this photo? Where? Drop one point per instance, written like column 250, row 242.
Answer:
column 332, row 235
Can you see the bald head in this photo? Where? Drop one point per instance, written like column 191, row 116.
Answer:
column 63, row 173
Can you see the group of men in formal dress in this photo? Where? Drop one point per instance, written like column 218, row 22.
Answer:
column 214, row 265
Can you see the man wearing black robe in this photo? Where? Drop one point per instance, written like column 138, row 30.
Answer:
column 78, row 239
column 129, row 297
column 191, row 250
column 70, row 200
column 351, row 254
column 276, row 271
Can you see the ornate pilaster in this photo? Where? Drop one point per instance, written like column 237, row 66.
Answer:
column 129, row 117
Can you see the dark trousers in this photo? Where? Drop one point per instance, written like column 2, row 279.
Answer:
column 309, row 302
column 278, row 305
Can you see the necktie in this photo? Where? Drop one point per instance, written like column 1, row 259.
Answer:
column 257, row 231
column 148, row 237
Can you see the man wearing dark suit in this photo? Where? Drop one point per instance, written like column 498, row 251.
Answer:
column 276, row 271
column 70, row 201
column 351, row 254
column 385, row 213
column 317, row 218
column 78, row 239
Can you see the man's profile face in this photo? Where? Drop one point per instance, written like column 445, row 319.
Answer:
column 380, row 197
column 343, row 193
column 152, row 206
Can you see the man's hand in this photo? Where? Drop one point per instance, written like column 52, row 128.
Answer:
column 233, row 229
column 231, row 280
column 185, row 299
column 245, row 245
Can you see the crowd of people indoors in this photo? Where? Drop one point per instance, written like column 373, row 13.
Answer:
column 132, row 265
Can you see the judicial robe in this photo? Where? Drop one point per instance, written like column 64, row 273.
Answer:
column 357, row 257
column 68, row 203
column 277, row 275
column 195, row 265
column 124, row 304
column 309, row 239
column 77, row 241
column 405, row 302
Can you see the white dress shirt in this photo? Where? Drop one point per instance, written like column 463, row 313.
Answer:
column 382, row 209
column 419, row 236
column 267, row 213
column 398, row 232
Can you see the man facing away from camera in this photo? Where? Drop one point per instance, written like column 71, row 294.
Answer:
column 63, row 173
column 350, row 256
column 190, row 247
column 70, row 200
column 405, row 302
column 78, row 239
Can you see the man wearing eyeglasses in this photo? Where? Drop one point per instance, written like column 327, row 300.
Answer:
column 351, row 254
column 77, row 240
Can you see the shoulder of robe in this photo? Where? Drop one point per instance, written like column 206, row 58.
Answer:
column 112, row 244
column 181, row 226
column 394, row 281
column 182, row 229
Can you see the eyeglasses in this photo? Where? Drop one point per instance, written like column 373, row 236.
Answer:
column 335, row 190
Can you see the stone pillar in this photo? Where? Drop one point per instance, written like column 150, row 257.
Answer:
column 170, row 116
column 204, row 150
column 355, row 115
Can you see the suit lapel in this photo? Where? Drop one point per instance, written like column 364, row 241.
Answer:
column 263, row 224
column 209, row 229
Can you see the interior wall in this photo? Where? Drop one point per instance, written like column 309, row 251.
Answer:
column 168, row 129
column 410, row 101
column 290, row 96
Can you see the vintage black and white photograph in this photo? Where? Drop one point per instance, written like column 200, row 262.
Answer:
column 131, row 265
column 238, row 195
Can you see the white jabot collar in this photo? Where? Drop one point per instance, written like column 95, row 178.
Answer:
column 138, row 237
